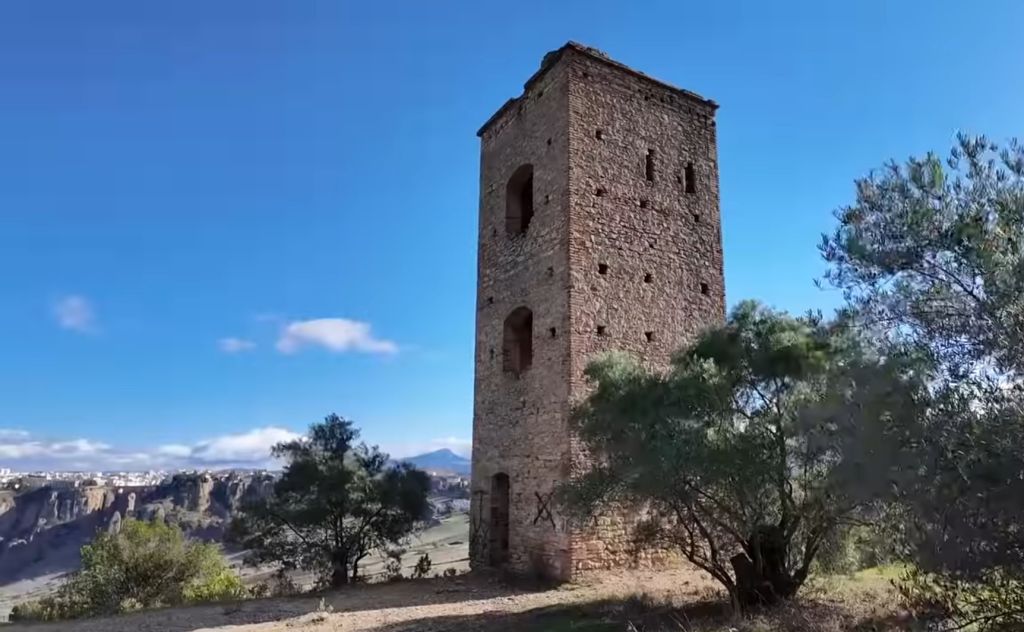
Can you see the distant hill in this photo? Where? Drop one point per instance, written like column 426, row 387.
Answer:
column 441, row 460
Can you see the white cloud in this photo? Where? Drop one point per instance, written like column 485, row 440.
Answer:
column 334, row 334
column 235, row 345
column 247, row 447
column 75, row 313
column 20, row 450
column 174, row 450
column 20, row 445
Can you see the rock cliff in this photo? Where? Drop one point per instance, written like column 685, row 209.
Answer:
column 42, row 529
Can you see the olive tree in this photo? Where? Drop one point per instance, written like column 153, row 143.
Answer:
column 931, row 255
column 763, row 438
column 335, row 503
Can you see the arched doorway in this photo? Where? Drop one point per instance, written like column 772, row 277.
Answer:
column 499, row 519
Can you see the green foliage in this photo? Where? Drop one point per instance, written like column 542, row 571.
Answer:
column 931, row 258
column 765, row 437
column 852, row 548
column 994, row 601
column 335, row 503
column 144, row 565
column 936, row 258
column 45, row 609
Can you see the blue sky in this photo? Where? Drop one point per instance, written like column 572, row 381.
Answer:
column 220, row 221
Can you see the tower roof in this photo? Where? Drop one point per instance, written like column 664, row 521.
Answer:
column 554, row 56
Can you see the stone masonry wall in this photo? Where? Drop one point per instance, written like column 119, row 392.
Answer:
column 519, row 422
column 611, row 260
column 661, row 245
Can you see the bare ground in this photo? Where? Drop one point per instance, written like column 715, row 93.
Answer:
column 664, row 600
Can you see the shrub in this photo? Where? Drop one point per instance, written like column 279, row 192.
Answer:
column 422, row 568
column 144, row 565
column 393, row 565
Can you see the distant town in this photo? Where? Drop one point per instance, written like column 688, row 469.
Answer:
column 449, row 473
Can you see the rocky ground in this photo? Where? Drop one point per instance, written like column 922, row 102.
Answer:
column 648, row 601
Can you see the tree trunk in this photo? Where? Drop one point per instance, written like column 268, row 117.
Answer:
column 764, row 580
column 355, row 566
column 339, row 569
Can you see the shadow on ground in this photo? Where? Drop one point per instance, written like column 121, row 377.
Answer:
column 634, row 615
column 353, row 599
column 477, row 603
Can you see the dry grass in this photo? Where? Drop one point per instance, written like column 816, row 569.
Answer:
column 668, row 601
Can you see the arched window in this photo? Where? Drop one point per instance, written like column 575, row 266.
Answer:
column 519, row 200
column 517, row 340
column 499, row 519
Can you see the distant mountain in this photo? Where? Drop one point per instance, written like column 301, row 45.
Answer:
column 443, row 460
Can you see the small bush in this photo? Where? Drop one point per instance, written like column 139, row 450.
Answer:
column 393, row 565
column 993, row 602
column 42, row 610
column 144, row 565
column 422, row 568
column 225, row 585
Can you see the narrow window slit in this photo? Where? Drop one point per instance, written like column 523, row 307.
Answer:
column 690, row 178
column 704, row 289
column 602, row 268
column 649, row 335
column 649, row 166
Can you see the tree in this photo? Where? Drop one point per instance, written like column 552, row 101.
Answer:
column 334, row 504
column 144, row 565
column 931, row 255
column 763, row 438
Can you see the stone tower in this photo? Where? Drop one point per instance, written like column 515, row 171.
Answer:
column 599, row 229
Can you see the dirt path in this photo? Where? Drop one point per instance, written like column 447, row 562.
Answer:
column 462, row 604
